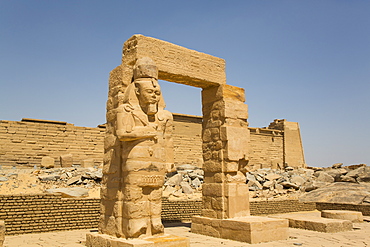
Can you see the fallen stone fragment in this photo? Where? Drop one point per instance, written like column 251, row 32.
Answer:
column 70, row 192
column 186, row 188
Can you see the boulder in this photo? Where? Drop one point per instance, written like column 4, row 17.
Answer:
column 174, row 180
column 186, row 188
column 339, row 192
column 298, row 180
column 324, row 177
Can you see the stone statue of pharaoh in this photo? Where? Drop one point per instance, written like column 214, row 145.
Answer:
column 145, row 131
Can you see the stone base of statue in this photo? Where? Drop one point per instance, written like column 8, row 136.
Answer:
column 165, row 240
column 249, row 229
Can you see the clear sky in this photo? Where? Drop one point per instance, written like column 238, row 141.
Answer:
column 305, row 61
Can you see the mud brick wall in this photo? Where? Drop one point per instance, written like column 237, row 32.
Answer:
column 180, row 210
column 279, row 207
column 47, row 212
column 50, row 212
column 365, row 209
column 266, row 148
column 24, row 143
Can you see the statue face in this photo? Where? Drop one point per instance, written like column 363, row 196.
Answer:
column 149, row 94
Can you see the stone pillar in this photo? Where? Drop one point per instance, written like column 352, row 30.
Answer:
column 225, row 152
column 225, row 212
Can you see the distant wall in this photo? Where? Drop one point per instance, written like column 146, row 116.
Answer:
column 266, row 148
column 24, row 143
column 187, row 139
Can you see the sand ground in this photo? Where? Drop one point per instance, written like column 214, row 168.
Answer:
column 359, row 237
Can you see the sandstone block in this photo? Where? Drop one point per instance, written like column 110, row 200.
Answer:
column 47, row 162
column 66, row 160
column 87, row 163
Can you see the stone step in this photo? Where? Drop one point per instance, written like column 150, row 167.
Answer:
column 353, row 216
column 312, row 221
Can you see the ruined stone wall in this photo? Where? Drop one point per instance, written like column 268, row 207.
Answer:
column 266, row 148
column 24, row 143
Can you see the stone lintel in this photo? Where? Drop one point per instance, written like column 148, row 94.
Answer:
column 250, row 229
column 175, row 63
column 166, row 240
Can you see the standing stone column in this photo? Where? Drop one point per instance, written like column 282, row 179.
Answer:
column 225, row 152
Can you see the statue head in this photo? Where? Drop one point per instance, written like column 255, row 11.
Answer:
column 148, row 93
column 144, row 91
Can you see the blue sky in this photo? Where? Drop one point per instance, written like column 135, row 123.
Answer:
column 305, row 61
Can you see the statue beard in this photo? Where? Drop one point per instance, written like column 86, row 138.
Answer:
column 151, row 109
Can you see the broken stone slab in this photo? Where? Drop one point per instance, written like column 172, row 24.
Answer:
column 75, row 180
column 337, row 165
column 354, row 216
column 272, row 176
column 70, row 192
column 289, row 185
column 49, row 177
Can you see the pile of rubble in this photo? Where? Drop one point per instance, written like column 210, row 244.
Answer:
column 311, row 184
column 185, row 183
column 271, row 183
